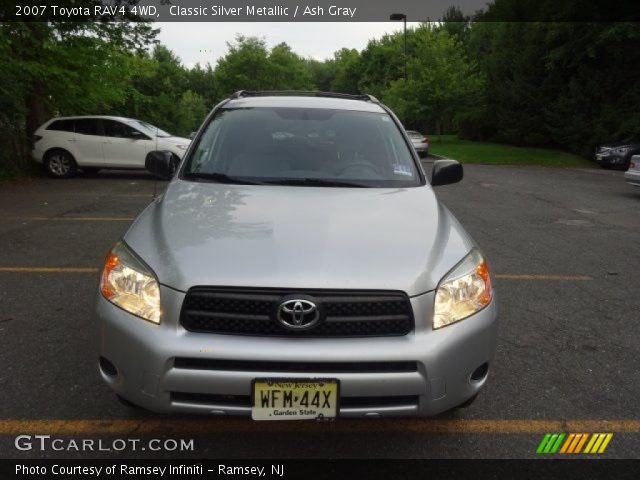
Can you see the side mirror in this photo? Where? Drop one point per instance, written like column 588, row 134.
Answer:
column 446, row 172
column 162, row 164
column 192, row 135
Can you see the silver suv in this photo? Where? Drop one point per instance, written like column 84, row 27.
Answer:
column 298, row 266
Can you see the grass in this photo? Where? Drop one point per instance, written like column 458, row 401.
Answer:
column 467, row 151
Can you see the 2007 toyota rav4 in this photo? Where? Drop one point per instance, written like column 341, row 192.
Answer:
column 298, row 266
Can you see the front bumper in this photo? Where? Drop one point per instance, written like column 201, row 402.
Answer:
column 143, row 355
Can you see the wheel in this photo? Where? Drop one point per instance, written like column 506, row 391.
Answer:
column 90, row 170
column 60, row 164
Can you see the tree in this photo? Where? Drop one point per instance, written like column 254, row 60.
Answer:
column 456, row 24
column 565, row 84
column 64, row 67
column 346, row 65
column 288, row 70
column 244, row 67
column 156, row 86
column 441, row 82
column 322, row 73
column 190, row 113
column 202, row 81
column 382, row 62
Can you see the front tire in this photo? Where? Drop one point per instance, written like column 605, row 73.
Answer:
column 60, row 164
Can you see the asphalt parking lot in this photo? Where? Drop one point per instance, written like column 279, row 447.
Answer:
column 563, row 244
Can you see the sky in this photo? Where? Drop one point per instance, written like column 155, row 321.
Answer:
column 202, row 42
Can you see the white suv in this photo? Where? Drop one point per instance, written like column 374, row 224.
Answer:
column 65, row 144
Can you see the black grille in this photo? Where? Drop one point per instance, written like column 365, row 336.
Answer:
column 245, row 400
column 294, row 367
column 249, row 311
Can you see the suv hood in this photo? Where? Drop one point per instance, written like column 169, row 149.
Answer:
column 175, row 140
column 298, row 237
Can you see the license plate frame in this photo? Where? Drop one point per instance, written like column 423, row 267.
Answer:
column 295, row 386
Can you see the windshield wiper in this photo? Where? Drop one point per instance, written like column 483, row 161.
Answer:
column 219, row 178
column 315, row 182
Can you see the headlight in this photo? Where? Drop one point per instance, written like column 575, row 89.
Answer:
column 464, row 291
column 130, row 285
column 621, row 150
column 182, row 147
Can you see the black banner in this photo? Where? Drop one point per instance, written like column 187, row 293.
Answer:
column 364, row 469
column 316, row 11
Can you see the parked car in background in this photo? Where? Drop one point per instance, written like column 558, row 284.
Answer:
column 420, row 142
column 64, row 145
column 618, row 155
column 632, row 176
column 305, row 271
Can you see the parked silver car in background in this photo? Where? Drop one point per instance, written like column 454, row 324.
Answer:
column 419, row 142
column 632, row 176
column 307, row 273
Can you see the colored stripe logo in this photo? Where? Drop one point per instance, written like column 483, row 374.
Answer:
column 573, row 443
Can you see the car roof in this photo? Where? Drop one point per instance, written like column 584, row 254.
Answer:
column 106, row 117
column 304, row 101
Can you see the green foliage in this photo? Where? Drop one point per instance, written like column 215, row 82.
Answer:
column 572, row 85
column 60, row 67
column 249, row 65
column 322, row 73
column 190, row 112
column 382, row 62
column 346, row 73
column 564, row 84
column 456, row 24
column 245, row 67
column 491, row 153
column 441, row 82
column 288, row 71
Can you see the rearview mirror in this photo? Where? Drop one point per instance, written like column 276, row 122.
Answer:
column 446, row 172
column 162, row 164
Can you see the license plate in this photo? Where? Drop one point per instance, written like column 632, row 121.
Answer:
column 295, row 399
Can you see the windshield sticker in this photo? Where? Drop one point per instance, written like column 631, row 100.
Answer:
column 399, row 169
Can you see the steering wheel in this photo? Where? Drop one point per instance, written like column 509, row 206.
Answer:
column 361, row 164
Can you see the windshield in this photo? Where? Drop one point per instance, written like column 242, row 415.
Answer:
column 303, row 146
column 149, row 129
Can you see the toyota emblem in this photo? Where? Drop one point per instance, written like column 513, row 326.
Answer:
column 298, row 314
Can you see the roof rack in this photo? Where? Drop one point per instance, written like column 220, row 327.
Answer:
column 301, row 93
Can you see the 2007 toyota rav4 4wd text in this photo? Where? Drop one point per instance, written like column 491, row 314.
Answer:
column 298, row 266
